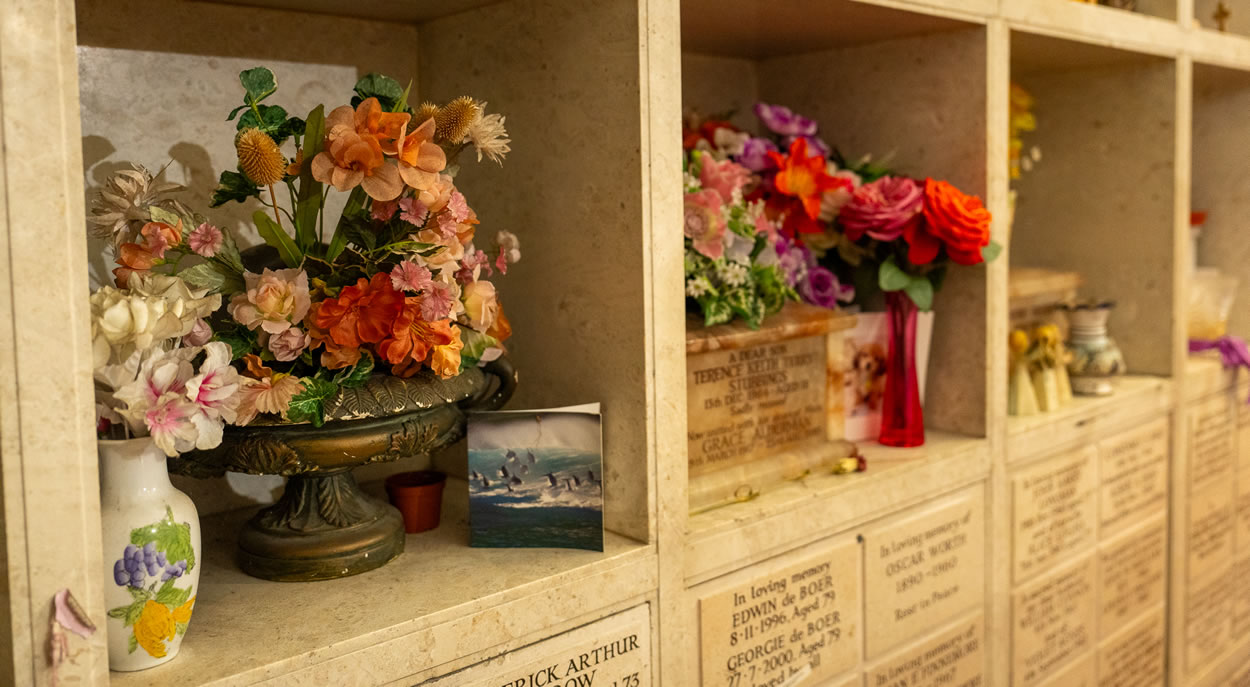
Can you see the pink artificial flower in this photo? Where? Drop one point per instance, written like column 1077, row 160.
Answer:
column 206, row 240
column 200, row 334
column 437, row 303
column 289, row 344
column 383, row 210
column 765, row 226
column 274, row 300
column 458, row 206
column 472, row 265
column 215, row 389
column 413, row 211
column 501, row 262
column 272, row 394
column 435, row 197
column 170, row 424
column 448, row 227
column 882, row 209
column 156, row 241
column 705, row 223
column 725, row 177
column 409, row 276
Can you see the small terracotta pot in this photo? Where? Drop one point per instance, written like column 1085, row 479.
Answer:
column 419, row 498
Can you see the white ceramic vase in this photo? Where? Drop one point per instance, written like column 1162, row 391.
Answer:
column 151, row 555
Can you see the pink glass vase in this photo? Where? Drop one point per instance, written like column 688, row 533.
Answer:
column 902, row 420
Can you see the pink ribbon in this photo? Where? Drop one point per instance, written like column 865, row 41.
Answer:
column 1233, row 351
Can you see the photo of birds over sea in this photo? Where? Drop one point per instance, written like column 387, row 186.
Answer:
column 536, row 478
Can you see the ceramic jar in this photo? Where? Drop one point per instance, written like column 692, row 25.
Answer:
column 151, row 555
column 1095, row 358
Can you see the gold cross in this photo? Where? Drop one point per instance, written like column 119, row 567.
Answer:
column 1221, row 15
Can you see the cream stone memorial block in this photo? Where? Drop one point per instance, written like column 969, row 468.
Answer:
column 1212, row 442
column 1082, row 673
column 1133, row 571
column 1241, row 595
column 1208, row 620
column 952, row 657
column 1243, row 431
column 1054, row 512
column 923, row 570
column 1241, row 508
column 612, row 652
column 1135, row 656
column 1054, row 621
column 1210, row 531
column 784, row 620
column 1134, row 474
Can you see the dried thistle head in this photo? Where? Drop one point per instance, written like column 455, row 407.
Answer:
column 452, row 121
column 424, row 112
column 259, row 157
column 121, row 208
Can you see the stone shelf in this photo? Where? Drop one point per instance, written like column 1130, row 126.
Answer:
column 796, row 513
column 1205, row 375
column 1099, row 25
column 1088, row 417
column 441, row 602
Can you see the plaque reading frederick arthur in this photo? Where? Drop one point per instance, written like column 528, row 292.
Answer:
column 1135, row 656
column 769, row 628
column 748, row 403
column 954, row 657
column 1054, row 622
column 1133, row 574
column 612, row 652
column 1054, row 512
column 923, row 571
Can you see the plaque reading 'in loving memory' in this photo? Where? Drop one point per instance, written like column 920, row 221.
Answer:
column 952, row 658
column 1054, row 621
column 1055, row 513
column 784, row 621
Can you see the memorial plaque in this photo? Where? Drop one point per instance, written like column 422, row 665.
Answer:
column 1242, row 512
column 1082, row 673
column 1210, row 530
column 1133, row 572
column 1055, row 514
column 747, row 403
column 954, row 657
column 1241, row 678
column 1133, row 450
column 1241, row 595
column 923, row 571
column 772, row 627
column 1134, row 657
column 1208, row 620
column 1212, row 442
column 1054, row 620
column 1128, row 499
column 612, row 652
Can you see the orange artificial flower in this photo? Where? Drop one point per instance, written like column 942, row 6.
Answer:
column 334, row 356
column 387, row 128
column 352, row 160
column 363, row 313
column 805, row 178
column 501, row 328
column 132, row 258
column 420, row 159
column 445, row 360
column 413, row 338
column 959, row 221
column 256, row 369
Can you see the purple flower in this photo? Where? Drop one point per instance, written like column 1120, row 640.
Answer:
column 823, row 288
column 793, row 260
column 781, row 120
column 755, row 154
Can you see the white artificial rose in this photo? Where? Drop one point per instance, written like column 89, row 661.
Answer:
column 153, row 309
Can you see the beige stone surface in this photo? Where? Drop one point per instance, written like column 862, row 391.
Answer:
column 1212, row 441
column 1127, row 499
column 1134, row 450
column 1054, row 621
column 1208, row 620
column 784, row 618
column 1133, row 572
column 923, row 569
column 1209, row 534
column 1081, row 673
column 1054, row 507
column 1241, row 597
column 952, row 657
column 1136, row 656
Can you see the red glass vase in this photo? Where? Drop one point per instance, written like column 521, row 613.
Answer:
column 902, row 420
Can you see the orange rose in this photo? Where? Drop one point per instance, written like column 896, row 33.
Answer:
column 954, row 219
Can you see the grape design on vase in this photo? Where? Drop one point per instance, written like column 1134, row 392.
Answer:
column 159, row 611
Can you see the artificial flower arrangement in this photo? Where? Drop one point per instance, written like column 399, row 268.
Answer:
column 194, row 335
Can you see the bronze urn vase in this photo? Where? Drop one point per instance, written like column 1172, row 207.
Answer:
column 324, row 526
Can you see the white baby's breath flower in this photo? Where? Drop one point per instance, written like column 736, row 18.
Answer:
column 732, row 273
column 697, row 286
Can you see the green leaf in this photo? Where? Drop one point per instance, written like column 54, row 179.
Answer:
column 235, row 112
column 259, row 83
column 890, row 277
column 272, row 119
column 229, row 253
column 308, row 201
column 240, row 342
column 355, row 202
column 293, row 126
column 991, row 252
column 357, row 374
column 920, row 291
column 213, row 276
column 275, row 236
column 475, row 345
column 118, row 613
column 138, row 594
column 309, row 404
column 233, row 186
column 132, row 643
column 402, row 105
column 159, row 214
column 172, row 596
column 172, row 538
column 384, row 88
column 715, row 311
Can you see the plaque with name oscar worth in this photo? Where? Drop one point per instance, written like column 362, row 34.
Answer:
column 1133, row 572
column 1208, row 620
column 612, row 652
column 782, row 619
column 1054, row 620
column 1135, row 656
column 1055, row 513
column 753, row 393
column 952, row 657
column 1212, row 442
column 924, row 570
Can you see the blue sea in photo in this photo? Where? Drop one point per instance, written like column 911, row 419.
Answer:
column 549, row 498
